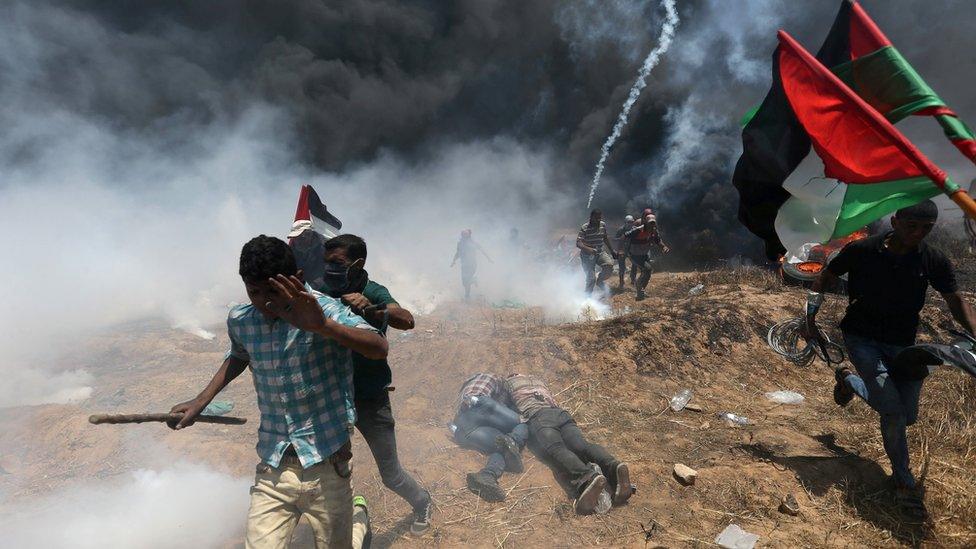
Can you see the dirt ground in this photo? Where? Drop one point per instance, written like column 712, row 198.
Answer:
column 616, row 377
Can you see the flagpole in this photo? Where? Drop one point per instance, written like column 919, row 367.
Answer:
column 965, row 203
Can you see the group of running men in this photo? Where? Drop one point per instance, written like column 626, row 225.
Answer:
column 313, row 338
column 637, row 239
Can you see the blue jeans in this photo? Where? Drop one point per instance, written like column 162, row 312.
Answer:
column 591, row 262
column 478, row 427
column 895, row 401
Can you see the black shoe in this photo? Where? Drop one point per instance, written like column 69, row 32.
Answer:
column 911, row 502
column 589, row 496
column 622, row 488
column 641, row 295
column 842, row 391
column 510, row 451
column 421, row 517
column 486, row 486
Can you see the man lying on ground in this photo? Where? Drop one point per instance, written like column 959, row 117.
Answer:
column 560, row 439
column 345, row 278
column 484, row 423
column 888, row 277
column 296, row 342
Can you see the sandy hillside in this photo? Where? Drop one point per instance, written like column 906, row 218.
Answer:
column 616, row 376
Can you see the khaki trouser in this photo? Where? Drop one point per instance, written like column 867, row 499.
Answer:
column 281, row 495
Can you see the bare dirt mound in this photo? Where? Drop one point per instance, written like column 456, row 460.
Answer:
column 616, row 377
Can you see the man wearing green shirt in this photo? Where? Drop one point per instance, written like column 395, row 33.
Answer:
column 345, row 278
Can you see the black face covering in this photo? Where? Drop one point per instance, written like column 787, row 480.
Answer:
column 339, row 280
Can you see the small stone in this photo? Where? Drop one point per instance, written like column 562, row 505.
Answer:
column 705, row 426
column 789, row 505
column 693, row 407
column 685, row 475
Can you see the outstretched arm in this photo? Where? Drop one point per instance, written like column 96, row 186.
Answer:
column 961, row 311
column 826, row 279
column 482, row 250
column 229, row 370
column 660, row 242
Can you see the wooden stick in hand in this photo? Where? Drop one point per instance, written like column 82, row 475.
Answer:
column 99, row 419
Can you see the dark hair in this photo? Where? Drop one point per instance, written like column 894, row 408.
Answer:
column 926, row 210
column 264, row 257
column 595, row 212
column 354, row 246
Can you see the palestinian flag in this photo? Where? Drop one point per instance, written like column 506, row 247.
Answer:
column 311, row 207
column 869, row 168
column 774, row 144
column 863, row 57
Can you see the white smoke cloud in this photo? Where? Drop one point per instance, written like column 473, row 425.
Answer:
column 184, row 505
column 589, row 24
column 26, row 386
column 667, row 35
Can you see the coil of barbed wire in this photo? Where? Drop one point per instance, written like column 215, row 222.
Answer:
column 786, row 339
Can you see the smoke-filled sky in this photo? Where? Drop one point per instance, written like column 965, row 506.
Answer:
column 144, row 142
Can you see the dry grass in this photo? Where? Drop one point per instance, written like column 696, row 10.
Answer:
column 756, row 277
column 943, row 441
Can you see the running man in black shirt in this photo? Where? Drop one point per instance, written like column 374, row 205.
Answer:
column 889, row 275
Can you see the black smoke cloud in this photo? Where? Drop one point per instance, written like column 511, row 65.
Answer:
column 360, row 78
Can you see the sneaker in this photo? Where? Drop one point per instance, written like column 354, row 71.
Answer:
column 359, row 502
column 485, row 486
column 421, row 517
column 590, row 495
column 842, row 391
column 622, row 489
column 510, row 451
column 641, row 295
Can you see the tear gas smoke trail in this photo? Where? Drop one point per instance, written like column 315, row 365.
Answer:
column 667, row 34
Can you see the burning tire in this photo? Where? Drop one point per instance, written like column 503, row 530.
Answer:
column 803, row 273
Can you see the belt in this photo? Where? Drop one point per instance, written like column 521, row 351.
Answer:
column 344, row 453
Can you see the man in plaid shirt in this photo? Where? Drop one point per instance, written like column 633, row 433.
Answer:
column 485, row 423
column 297, row 343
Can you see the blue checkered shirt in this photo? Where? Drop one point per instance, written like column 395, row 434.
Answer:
column 303, row 381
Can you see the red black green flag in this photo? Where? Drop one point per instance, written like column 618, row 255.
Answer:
column 870, row 169
column 774, row 144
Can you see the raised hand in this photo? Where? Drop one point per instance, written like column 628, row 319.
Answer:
column 295, row 305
